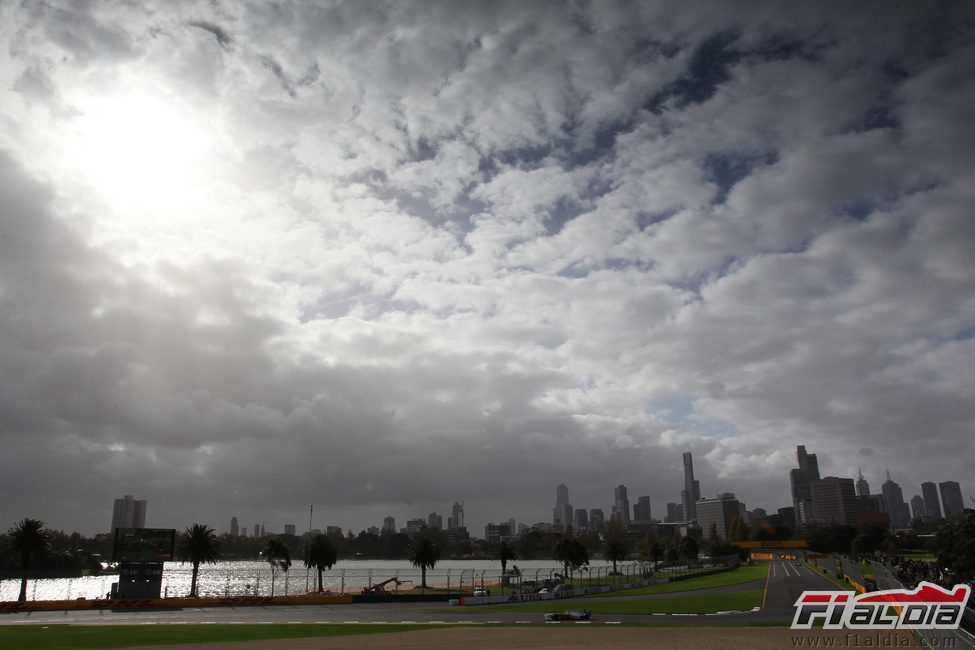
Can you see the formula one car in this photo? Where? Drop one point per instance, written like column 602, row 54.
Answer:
column 569, row 615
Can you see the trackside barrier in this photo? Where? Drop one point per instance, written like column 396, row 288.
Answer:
column 926, row 638
column 853, row 573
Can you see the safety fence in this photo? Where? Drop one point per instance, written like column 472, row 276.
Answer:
column 927, row 638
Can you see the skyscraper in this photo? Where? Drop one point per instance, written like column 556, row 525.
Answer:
column 718, row 511
column 932, row 507
column 834, row 501
column 435, row 521
column 800, row 479
column 562, row 513
column 129, row 513
column 456, row 519
column 951, row 498
column 863, row 488
column 641, row 510
column 917, row 507
column 894, row 501
column 389, row 524
column 691, row 493
column 621, row 504
column 596, row 518
column 234, row 527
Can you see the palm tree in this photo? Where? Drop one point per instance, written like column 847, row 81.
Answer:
column 424, row 553
column 570, row 552
column 277, row 554
column 504, row 553
column 198, row 544
column 615, row 544
column 320, row 553
column 28, row 540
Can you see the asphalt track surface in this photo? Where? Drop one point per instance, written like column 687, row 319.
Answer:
column 786, row 581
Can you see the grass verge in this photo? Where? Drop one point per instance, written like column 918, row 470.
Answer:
column 690, row 604
column 125, row 636
column 738, row 576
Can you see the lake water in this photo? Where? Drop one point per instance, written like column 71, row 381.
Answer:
column 241, row 578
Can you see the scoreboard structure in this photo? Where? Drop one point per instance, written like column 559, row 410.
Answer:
column 141, row 553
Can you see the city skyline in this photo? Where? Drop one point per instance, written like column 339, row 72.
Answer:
column 381, row 257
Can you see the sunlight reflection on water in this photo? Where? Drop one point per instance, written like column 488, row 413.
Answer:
column 240, row 578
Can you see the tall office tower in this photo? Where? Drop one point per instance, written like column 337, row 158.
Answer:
column 691, row 493
column 672, row 515
column 457, row 515
column 290, row 529
column 718, row 511
column 894, row 501
column 234, row 527
column 863, row 488
column 389, row 525
column 917, row 507
column 562, row 513
column 129, row 513
column 799, row 479
column 932, row 507
column 834, row 501
column 596, row 519
column 788, row 515
column 621, row 504
column 435, row 521
column 257, row 530
column 581, row 522
column 641, row 510
column 951, row 498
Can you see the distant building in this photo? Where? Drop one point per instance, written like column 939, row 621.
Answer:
column 917, row 508
column 692, row 489
column 581, row 523
column 562, row 513
column 257, row 530
column 834, row 501
column 799, row 480
column 863, row 488
column 435, row 521
column 896, row 508
column 641, row 510
column 951, row 498
column 672, row 516
column 333, row 531
column 129, row 513
column 234, row 527
column 494, row 533
column 788, row 516
column 596, row 519
column 456, row 519
column 719, row 511
column 932, row 507
column 389, row 525
column 414, row 526
column 621, row 504
column 289, row 529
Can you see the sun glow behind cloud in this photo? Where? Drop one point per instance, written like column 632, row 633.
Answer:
column 143, row 154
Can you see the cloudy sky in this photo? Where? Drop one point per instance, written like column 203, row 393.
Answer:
column 379, row 257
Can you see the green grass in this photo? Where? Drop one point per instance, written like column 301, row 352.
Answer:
column 121, row 636
column 690, row 604
column 738, row 576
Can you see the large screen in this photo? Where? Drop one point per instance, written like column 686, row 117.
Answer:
column 144, row 544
